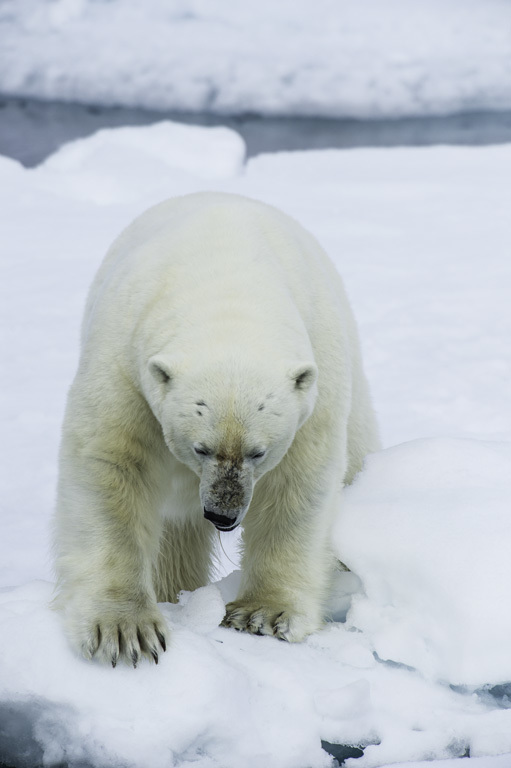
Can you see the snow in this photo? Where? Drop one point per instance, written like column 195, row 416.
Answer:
column 328, row 57
column 426, row 524
column 415, row 665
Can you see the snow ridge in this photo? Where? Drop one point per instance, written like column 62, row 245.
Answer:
column 329, row 57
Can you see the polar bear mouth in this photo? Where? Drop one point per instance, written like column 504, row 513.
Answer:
column 221, row 522
column 226, row 530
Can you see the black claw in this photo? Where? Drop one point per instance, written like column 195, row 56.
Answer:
column 98, row 638
column 134, row 658
column 114, row 661
column 154, row 655
column 277, row 629
column 161, row 639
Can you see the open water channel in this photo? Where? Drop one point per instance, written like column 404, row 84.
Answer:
column 31, row 130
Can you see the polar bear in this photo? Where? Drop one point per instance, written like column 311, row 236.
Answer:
column 220, row 383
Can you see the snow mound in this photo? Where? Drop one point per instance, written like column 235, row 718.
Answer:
column 201, row 611
column 328, row 57
column 123, row 164
column 427, row 529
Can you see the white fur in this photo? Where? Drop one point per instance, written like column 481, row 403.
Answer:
column 216, row 325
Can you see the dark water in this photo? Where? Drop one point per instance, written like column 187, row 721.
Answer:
column 31, row 130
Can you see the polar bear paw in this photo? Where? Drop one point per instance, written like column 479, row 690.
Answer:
column 121, row 634
column 268, row 620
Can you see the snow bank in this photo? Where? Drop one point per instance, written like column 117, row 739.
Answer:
column 415, row 666
column 206, row 152
column 427, row 528
column 329, row 57
column 123, row 164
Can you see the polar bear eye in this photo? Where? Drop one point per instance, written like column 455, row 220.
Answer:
column 257, row 454
column 201, row 451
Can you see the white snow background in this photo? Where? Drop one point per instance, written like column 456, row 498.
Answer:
column 358, row 58
column 418, row 664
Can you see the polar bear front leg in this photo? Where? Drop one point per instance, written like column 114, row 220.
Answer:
column 112, row 627
column 287, row 570
column 106, row 537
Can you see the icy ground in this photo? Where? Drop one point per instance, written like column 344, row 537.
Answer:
column 376, row 58
column 417, row 664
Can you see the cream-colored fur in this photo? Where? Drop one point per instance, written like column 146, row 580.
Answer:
column 220, row 375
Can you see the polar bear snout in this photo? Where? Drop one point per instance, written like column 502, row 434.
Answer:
column 226, row 492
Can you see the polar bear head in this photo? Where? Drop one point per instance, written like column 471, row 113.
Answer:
column 230, row 422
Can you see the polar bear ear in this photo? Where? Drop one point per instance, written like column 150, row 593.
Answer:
column 304, row 376
column 161, row 369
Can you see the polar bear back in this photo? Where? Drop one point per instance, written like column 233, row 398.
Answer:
column 187, row 255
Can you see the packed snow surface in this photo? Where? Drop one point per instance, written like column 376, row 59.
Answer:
column 324, row 57
column 415, row 662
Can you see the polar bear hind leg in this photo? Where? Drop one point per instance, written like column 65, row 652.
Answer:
column 184, row 560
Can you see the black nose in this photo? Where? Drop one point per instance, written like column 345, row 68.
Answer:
column 222, row 522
